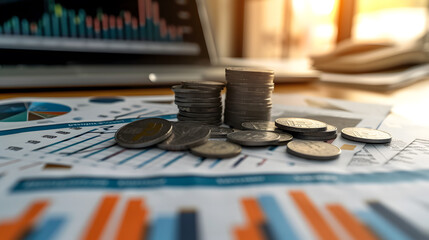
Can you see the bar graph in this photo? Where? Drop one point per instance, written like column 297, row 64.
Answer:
column 291, row 213
column 265, row 219
column 141, row 25
column 133, row 222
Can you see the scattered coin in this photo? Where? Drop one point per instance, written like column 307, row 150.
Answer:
column 300, row 125
column 366, row 135
column 219, row 132
column 316, row 138
column 217, row 149
column 284, row 138
column 185, row 135
column 313, row 150
column 253, row 138
column 143, row 133
column 259, row 126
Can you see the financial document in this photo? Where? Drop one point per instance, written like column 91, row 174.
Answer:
column 63, row 176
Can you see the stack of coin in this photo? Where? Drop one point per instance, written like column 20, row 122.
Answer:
column 199, row 101
column 307, row 129
column 248, row 96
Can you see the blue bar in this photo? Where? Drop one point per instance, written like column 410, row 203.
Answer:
column 396, row 220
column 71, row 145
column 88, row 147
column 48, row 229
column 46, row 25
column 142, row 33
column 16, row 25
column 149, row 27
column 90, row 32
column 215, row 163
column 151, row 159
column 278, row 224
column 65, row 140
column 239, row 161
column 64, row 25
column 7, row 28
column 380, row 226
column 55, row 26
column 188, row 228
column 135, row 34
column 25, row 27
column 133, row 156
column 120, row 33
column 105, row 34
column 1, row 29
column 156, row 32
column 99, row 151
column 72, row 23
column 164, row 228
column 174, row 160
column 82, row 19
column 128, row 31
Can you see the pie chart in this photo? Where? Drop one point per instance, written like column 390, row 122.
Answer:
column 31, row 111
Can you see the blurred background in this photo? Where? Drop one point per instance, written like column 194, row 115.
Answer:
column 300, row 28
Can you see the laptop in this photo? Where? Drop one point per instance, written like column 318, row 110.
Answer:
column 54, row 43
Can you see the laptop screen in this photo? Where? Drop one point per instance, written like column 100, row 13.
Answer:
column 61, row 32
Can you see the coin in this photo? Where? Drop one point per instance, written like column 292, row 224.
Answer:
column 300, row 125
column 200, row 109
column 313, row 150
column 217, row 149
column 330, row 131
column 143, row 133
column 203, row 84
column 284, row 138
column 191, row 100
column 259, row 126
column 316, row 138
column 249, row 70
column 198, row 104
column 219, row 132
column 366, row 135
column 253, row 138
column 185, row 136
column 197, row 115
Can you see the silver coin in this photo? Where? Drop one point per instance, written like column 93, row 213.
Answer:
column 203, row 84
column 184, row 118
column 259, row 126
column 198, row 104
column 316, row 138
column 330, row 131
column 249, row 70
column 366, row 135
column 219, row 132
column 180, row 89
column 201, row 109
column 202, row 99
column 197, row 95
column 313, row 150
column 205, row 123
column 253, row 138
column 197, row 115
column 185, row 136
column 300, row 125
column 143, row 133
column 217, row 149
column 284, row 138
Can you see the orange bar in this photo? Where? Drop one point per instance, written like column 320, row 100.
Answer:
column 255, row 217
column 353, row 226
column 313, row 216
column 16, row 229
column 134, row 222
column 253, row 211
column 100, row 218
column 248, row 233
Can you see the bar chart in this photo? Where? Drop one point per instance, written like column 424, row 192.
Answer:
column 293, row 213
column 143, row 26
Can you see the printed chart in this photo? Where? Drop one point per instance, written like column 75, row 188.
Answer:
column 30, row 111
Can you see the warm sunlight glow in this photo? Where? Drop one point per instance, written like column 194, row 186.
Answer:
column 322, row 7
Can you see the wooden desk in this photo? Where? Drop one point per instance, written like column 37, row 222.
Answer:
column 410, row 102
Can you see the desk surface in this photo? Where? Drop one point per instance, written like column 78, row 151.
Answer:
column 410, row 102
